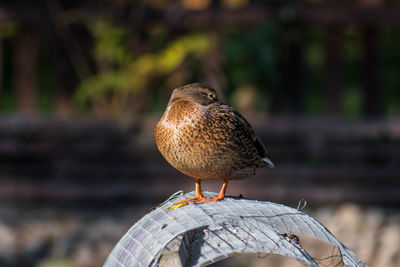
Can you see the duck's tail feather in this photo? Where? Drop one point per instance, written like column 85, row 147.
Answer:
column 269, row 162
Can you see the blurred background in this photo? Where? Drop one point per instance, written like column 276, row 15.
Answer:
column 82, row 84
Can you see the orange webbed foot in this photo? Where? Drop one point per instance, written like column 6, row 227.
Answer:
column 214, row 199
column 190, row 200
column 199, row 198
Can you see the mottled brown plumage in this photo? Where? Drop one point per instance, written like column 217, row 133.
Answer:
column 207, row 139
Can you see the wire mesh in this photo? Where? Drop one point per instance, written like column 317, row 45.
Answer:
column 205, row 233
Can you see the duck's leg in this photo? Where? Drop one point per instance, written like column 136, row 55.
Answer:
column 220, row 196
column 199, row 195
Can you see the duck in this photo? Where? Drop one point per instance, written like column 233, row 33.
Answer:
column 205, row 139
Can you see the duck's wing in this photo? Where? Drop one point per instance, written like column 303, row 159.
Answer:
column 232, row 119
column 257, row 142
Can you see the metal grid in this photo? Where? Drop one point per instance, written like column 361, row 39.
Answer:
column 210, row 232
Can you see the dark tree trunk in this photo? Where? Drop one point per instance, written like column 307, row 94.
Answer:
column 371, row 105
column 294, row 83
column 65, row 81
column 1, row 65
column 333, row 82
column 25, row 70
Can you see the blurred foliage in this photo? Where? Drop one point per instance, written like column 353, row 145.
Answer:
column 112, row 90
column 390, row 43
column 9, row 28
column 352, row 57
column 110, row 42
column 124, row 56
column 251, row 59
column 314, row 57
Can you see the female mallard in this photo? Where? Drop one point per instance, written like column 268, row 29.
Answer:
column 207, row 139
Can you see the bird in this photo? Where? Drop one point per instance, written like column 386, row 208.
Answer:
column 205, row 138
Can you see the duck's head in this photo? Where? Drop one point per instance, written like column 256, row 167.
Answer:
column 195, row 92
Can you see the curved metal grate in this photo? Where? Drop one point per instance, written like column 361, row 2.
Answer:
column 201, row 234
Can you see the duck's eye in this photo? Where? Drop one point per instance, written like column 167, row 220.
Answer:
column 211, row 95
